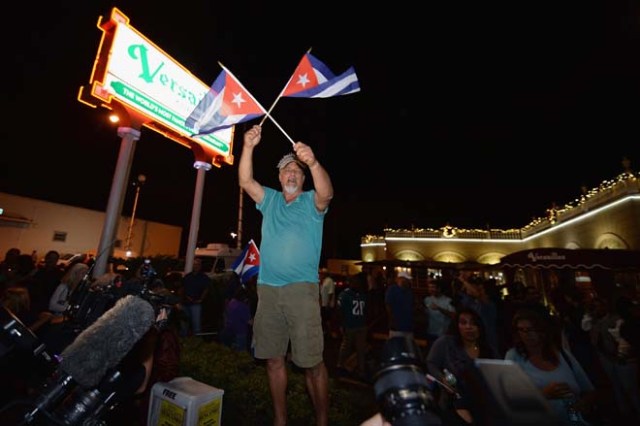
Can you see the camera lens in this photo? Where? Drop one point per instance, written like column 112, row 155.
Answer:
column 401, row 388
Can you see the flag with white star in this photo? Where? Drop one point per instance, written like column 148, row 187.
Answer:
column 227, row 103
column 313, row 79
column 248, row 263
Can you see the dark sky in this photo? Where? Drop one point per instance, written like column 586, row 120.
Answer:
column 470, row 115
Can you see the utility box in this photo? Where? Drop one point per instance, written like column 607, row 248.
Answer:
column 185, row 402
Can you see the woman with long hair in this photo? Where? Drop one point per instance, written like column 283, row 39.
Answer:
column 451, row 359
column 556, row 372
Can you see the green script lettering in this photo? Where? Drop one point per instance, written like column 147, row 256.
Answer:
column 139, row 52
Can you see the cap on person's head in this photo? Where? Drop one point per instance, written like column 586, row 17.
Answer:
column 291, row 157
column 405, row 274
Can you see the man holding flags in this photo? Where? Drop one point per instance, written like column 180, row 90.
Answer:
column 288, row 308
column 288, row 293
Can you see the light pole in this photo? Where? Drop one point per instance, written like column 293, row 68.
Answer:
column 141, row 180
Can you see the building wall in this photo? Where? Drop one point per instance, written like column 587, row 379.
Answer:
column 31, row 224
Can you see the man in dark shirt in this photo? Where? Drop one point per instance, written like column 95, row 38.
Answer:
column 352, row 314
column 399, row 302
column 196, row 286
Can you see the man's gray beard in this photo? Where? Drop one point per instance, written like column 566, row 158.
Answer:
column 290, row 189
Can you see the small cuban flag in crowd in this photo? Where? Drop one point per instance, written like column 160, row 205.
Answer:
column 247, row 264
column 313, row 79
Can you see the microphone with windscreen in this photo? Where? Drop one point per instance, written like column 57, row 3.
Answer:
column 97, row 349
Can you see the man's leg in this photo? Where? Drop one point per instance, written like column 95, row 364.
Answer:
column 346, row 347
column 277, row 373
column 317, row 380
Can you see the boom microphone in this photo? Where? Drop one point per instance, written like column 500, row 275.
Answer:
column 106, row 342
column 100, row 347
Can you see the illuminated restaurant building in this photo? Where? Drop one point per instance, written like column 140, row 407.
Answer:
column 604, row 219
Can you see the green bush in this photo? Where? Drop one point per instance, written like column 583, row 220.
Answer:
column 246, row 399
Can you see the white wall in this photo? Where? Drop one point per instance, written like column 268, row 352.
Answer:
column 30, row 224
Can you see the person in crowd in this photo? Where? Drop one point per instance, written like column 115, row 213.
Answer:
column 251, row 285
column 237, row 321
column 476, row 296
column 195, row 286
column 22, row 276
column 398, row 300
column 376, row 310
column 19, row 372
column 629, row 326
column 18, row 301
column 288, row 283
column 620, row 366
column 557, row 373
column 570, row 307
column 327, row 299
column 352, row 317
column 160, row 354
column 230, row 284
column 154, row 358
column 8, row 267
column 440, row 310
column 22, row 272
column 59, row 300
column 450, row 360
column 45, row 281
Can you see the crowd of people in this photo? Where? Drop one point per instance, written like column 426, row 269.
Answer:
column 579, row 350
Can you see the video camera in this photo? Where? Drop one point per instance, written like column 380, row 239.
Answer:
column 92, row 375
column 90, row 300
column 503, row 395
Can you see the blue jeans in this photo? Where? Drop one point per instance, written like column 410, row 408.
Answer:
column 194, row 313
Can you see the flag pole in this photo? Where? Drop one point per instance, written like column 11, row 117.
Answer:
column 258, row 103
column 281, row 92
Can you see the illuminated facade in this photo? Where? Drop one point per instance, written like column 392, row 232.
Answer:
column 605, row 217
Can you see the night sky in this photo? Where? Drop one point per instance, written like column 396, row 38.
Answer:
column 476, row 116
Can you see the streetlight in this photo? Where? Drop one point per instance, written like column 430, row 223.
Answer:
column 141, row 180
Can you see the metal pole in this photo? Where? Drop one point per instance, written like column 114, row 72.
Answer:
column 114, row 205
column 202, row 168
column 141, row 180
column 127, row 246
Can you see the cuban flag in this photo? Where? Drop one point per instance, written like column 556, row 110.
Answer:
column 248, row 263
column 227, row 103
column 313, row 79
